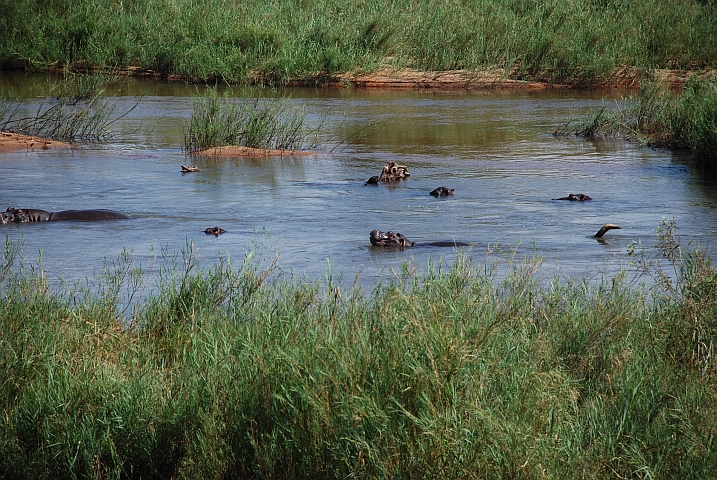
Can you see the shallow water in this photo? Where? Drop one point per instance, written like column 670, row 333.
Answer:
column 494, row 148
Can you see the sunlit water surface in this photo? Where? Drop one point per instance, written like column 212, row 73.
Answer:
column 494, row 148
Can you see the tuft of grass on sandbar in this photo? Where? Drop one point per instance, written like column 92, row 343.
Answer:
column 258, row 123
column 232, row 372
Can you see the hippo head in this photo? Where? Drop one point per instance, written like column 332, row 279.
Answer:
column 389, row 239
column 393, row 172
column 442, row 192
column 214, row 231
column 575, row 197
column 13, row 215
column 578, row 197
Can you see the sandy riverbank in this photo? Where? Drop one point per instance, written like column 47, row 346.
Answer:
column 13, row 141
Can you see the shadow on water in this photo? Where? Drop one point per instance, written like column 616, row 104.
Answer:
column 494, row 148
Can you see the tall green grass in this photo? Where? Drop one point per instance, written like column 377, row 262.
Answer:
column 580, row 41
column 264, row 123
column 232, row 372
column 660, row 117
column 74, row 110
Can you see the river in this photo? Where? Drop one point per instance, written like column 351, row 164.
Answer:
column 494, row 148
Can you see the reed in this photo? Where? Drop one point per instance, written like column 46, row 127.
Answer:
column 660, row 117
column 577, row 42
column 74, row 110
column 239, row 372
column 262, row 123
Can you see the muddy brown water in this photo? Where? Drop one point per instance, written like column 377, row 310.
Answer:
column 494, row 148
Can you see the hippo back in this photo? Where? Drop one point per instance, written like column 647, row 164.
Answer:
column 87, row 215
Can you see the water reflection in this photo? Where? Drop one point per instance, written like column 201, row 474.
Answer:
column 494, row 148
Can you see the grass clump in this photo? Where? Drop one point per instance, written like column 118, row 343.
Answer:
column 74, row 110
column 232, row 372
column 660, row 117
column 262, row 123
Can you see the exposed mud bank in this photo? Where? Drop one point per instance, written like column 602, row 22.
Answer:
column 10, row 142
column 239, row 151
column 627, row 77
column 465, row 79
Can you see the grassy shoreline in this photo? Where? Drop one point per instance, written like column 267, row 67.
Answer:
column 578, row 43
column 72, row 111
column 227, row 373
column 660, row 117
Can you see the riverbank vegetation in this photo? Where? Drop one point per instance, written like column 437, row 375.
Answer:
column 237, row 372
column 577, row 42
column 257, row 123
column 73, row 110
column 660, row 117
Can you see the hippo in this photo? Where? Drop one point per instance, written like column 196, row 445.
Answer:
column 605, row 228
column 214, row 231
column 391, row 172
column 390, row 239
column 442, row 192
column 575, row 197
column 23, row 215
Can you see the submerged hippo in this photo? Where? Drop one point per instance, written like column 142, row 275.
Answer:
column 442, row 192
column 397, row 240
column 575, row 197
column 605, row 228
column 214, row 231
column 23, row 215
column 389, row 239
column 391, row 172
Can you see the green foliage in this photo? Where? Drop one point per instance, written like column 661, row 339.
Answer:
column 77, row 113
column 578, row 41
column 693, row 120
column 234, row 373
column 690, row 291
column 660, row 117
column 266, row 123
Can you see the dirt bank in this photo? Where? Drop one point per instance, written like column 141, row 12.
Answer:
column 10, row 142
column 239, row 151
column 405, row 78
column 497, row 79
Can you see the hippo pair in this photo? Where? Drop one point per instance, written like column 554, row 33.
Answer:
column 23, row 215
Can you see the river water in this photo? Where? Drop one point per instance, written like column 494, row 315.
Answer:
column 494, row 148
